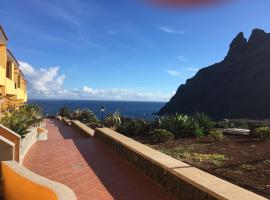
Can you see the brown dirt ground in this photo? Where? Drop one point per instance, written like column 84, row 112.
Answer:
column 248, row 163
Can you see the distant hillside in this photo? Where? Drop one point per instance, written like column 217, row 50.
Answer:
column 237, row 87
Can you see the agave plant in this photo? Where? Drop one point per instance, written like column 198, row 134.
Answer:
column 175, row 123
column 64, row 112
column 33, row 113
column 204, row 122
column 133, row 127
column 75, row 114
column 17, row 122
column 193, row 128
column 84, row 116
column 182, row 125
column 21, row 120
column 113, row 120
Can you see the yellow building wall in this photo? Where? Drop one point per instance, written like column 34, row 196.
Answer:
column 3, row 62
column 5, row 104
column 11, row 95
column 24, row 90
column 3, row 55
column 10, row 84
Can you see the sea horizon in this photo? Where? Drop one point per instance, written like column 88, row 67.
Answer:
column 33, row 99
column 134, row 109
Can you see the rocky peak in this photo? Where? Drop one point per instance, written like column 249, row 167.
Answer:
column 239, row 41
column 237, row 46
column 257, row 37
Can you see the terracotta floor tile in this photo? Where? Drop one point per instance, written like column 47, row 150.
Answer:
column 90, row 168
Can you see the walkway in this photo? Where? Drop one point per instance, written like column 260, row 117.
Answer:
column 90, row 168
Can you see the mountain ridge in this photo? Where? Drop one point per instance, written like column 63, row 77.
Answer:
column 236, row 87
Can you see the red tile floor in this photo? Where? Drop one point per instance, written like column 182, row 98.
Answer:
column 90, row 168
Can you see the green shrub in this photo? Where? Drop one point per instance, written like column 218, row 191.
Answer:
column 84, row 116
column 185, row 126
column 254, row 125
column 22, row 119
column 113, row 120
column 161, row 135
column 154, row 124
column 262, row 132
column 33, row 113
column 174, row 123
column 94, row 125
column 193, row 129
column 187, row 153
column 240, row 124
column 16, row 122
column 205, row 123
column 225, row 124
column 64, row 112
column 133, row 127
column 216, row 135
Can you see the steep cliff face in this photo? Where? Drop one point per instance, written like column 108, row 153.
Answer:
column 237, row 87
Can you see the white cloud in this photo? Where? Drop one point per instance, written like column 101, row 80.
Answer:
column 44, row 81
column 89, row 90
column 169, row 30
column 174, row 73
column 26, row 68
column 49, row 84
column 123, row 94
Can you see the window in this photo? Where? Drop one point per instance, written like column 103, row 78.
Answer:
column 9, row 70
column 19, row 81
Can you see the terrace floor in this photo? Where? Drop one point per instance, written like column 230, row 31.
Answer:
column 90, row 168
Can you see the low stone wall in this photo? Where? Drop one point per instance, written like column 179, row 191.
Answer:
column 67, row 121
column 83, row 128
column 7, row 149
column 21, row 145
column 20, row 183
column 59, row 117
column 184, row 181
column 12, row 137
column 30, row 138
column 42, row 133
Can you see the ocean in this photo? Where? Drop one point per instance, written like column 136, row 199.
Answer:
column 134, row 109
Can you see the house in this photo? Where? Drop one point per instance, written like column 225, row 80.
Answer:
column 13, row 85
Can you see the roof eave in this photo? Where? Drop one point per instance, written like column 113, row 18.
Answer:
column 13, row 57
column 3, row 32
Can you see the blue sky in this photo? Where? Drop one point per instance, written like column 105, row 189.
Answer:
column 122, row 49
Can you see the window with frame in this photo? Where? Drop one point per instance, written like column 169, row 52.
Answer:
column 9, row 70
column 19, row 81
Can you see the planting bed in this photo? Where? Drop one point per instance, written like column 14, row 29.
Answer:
column 241, row 160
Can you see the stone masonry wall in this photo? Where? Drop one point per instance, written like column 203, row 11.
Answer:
column 171, row 183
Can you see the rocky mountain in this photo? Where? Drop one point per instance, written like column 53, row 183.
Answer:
column 237, row 87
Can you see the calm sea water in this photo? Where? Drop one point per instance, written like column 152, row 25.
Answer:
column 143, row 110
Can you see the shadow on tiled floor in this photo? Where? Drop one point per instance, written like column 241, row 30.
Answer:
column 90, row 168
